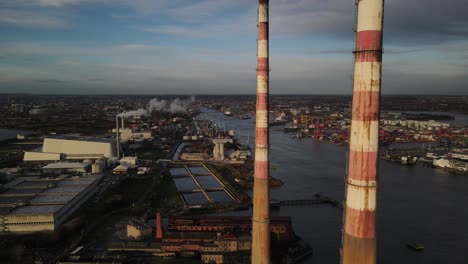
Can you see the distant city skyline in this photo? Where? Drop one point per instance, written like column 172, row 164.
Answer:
column 209, row 47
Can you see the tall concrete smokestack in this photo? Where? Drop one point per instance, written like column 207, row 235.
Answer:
column 123, row 121
column 117, row 137
column 261, row 193
column 359, row 235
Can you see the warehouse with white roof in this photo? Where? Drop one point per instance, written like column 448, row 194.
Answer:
column 43, row 204
column 73, row 148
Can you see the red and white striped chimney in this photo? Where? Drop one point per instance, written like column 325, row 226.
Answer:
column 261, row 193
column 359, row 234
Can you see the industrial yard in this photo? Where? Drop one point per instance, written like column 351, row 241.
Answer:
column 84, row 188
column 43, row 204
column 104, row 189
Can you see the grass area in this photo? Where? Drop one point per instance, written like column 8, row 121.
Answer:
column 166, row 198
column 148, row 151
column 224, row 174
column 152, row 155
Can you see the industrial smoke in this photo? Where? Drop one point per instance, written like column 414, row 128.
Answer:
column 175, row 106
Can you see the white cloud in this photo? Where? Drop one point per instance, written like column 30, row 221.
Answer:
column 175, row 31
column 30, row 19
column 201, row 10
column 57, row 3
column 137, row 47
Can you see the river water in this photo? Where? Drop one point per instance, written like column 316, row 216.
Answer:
column 414, row 203
column 6, row 134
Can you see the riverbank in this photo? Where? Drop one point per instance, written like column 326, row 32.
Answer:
column 415, row 192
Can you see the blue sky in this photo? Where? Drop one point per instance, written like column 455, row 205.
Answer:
column 209, row 46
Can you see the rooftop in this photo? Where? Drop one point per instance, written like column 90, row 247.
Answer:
column 42, row 196
column 37, row 209
column 81, row 138
column 66, row 165
column 138, row 225
column 56, row 199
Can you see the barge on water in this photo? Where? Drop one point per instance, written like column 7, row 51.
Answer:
column 415, row 245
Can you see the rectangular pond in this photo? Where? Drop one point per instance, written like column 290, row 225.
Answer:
column 185, row 183
column 195, row 198
column 198, row 170
column 208, row 182
column 219, row 196
column 179, row 171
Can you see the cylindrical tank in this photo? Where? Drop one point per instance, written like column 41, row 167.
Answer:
column 97, row 168
column 194, row 137
column 186, row 138
column 87, row 161
column 102, row 161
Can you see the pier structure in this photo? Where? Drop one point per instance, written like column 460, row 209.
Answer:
column 218, row 150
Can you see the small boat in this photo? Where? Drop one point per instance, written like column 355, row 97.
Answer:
column 415, row 245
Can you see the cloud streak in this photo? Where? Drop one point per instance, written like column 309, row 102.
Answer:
column 210, row 46
column 175, row 31
column 30, row 19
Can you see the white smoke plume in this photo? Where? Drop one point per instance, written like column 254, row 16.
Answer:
column 157, row 105
column 175, row 106
column 139, row 112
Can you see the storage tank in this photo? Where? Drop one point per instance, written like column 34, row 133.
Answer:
column 103, row 161
column 194, row 137
column 88, row 161
column 97, row 168
column 186, row 138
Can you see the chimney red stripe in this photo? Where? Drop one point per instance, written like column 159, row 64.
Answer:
column 362, row 165
column 360, row 223
column 261, row 136
column 263, row 31
column 262, row 66
column 261, row 169
column 366, row 105
column 369, row 40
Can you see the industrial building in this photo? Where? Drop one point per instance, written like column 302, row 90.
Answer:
column 73, row 148
column 220, row 239
column 280, row 226
column 60, row 167
column 132, row 134
column 217, row 239
column 138, row 230
column 30, row 204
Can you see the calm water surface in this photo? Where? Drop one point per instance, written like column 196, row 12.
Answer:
column 6, row 134
column 415, row 203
